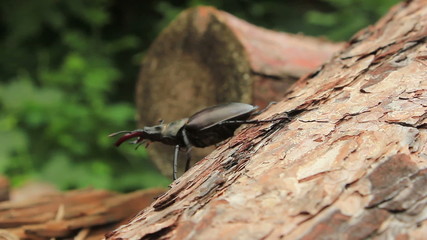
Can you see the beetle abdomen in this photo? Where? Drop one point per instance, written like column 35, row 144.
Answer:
column 211, row 136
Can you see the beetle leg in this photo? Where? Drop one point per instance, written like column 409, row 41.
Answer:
column 264, row 109
column 140, row 143
column 175, row 162
column 188, row 160
column 253, row 121
column 136, row 141
column 185, row 137
column 189, row 147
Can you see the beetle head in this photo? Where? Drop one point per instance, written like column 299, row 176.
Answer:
column 165, row 133
column 147, row 133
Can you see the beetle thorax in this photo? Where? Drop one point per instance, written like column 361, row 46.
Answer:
column 167, row 133
column 172, row 129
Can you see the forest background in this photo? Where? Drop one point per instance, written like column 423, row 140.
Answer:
column 68, row 71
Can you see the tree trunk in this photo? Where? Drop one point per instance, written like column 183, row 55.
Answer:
column 206, row 57
column 349, row 164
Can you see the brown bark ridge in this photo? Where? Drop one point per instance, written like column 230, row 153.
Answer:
column 80, row 214
column 206, row 57
column 349, row 164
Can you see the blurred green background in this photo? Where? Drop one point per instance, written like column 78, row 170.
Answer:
column 68, row 70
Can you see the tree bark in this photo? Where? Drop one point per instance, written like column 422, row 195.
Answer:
column 206, row 57
column 349, row 164
column 80, row 214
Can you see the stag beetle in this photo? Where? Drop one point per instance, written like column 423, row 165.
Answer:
column 205, row 128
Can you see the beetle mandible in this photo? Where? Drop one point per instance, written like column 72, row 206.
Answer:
column 205, row 128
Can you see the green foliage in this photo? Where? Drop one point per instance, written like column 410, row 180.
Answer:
column 58, row 104
column 68, row 69
column 347, row 16
column 335, row 19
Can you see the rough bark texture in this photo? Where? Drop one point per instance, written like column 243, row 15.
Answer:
column 206, row 57
column 350, row 164
column 83, row 214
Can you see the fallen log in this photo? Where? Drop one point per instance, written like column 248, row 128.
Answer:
column 350, row 163
column 83, row 214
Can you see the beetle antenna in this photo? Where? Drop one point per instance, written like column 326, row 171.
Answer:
column 118, row 133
